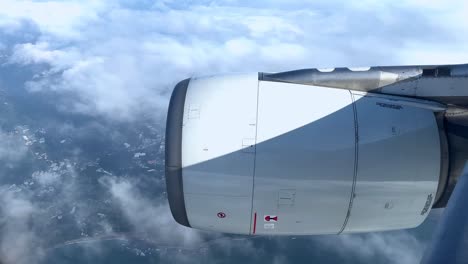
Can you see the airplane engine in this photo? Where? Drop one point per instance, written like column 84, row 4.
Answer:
column 249, row 156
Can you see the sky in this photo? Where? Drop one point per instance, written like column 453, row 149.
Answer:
column 118, row 61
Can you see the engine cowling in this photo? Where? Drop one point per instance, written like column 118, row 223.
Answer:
column 248, row 156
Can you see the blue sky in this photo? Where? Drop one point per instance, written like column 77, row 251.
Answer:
column 118, row 61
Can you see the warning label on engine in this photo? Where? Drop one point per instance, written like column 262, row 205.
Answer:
column 270, row 218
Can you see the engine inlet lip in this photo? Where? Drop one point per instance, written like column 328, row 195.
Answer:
column 173, row 153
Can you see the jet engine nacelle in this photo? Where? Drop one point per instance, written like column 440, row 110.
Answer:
column 248, row 156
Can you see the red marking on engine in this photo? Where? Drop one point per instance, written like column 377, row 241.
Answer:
column 269, row 218
column 221, row 215
column 255, row 223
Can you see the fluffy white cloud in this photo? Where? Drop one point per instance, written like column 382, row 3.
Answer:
column 18, row 242
column 388, row 247
column 12, row 148
column 46, row 177
column 151, row 220
column 66, row 15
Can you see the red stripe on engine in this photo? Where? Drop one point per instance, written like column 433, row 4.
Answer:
column 255, row 223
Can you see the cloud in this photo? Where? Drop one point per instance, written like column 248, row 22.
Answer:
column 18, row 242
column 37, row 54
column 12, row 148
column 151, row 219
column 66, row 14
column 46, row 177
column 387, row 247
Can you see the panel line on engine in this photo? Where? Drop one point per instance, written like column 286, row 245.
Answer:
column 254, row 162
column 356, row 159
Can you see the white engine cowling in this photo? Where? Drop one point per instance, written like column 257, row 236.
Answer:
column 248, row 156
